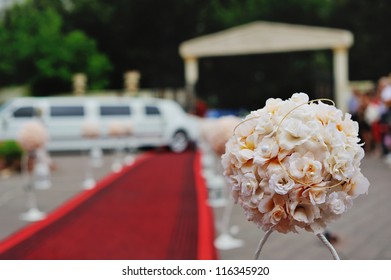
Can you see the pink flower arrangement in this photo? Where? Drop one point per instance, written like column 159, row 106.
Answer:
column 219, row 133
column 116, row 129
column 32, row 136
column 90, row 129
column 128, row 128
column 295, row 164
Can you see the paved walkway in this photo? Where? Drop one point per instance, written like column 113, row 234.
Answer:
column 364, row 232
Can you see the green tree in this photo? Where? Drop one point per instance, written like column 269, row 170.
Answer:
column 143, row 35
column 38, row 52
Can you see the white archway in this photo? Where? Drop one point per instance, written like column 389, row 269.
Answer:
column 268, row 37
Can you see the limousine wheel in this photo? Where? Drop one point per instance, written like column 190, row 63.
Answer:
column 179, row 142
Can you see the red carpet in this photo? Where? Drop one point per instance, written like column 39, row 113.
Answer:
column 153, row 210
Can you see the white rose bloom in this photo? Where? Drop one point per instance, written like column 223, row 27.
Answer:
column 340, row 165
column 228, row 160
column 265, row 124
column 248, row 184
column 273, row 105
column 315, row 146
column 266, row 204
column 305, row 213
column 306, row 168
column 252, row 141
column 246, row 127
column 327, row 114
column 281, row 183
column 338, row 202
column 244, row 155
column 293, row 133
column 317, row 195
column 236, row 157
column 300, row 98
column 278, row 212
column 266, row 150
column 349, row 127
column 332, row 137
column 358, row 185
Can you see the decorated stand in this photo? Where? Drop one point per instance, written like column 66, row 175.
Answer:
column 218, row 136
column 130, row 146
column 295, row 164
column 42, row 169
column 211, row 166
column 91, row 131
column 32, row 138
column 117, row 131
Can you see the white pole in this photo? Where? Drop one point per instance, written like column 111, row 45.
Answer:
column 341, row 77
column 191, row 77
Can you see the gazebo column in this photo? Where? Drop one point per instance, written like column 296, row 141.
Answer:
column 191, row 78
column 341, row 77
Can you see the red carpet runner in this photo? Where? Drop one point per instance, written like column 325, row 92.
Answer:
column 153, row 210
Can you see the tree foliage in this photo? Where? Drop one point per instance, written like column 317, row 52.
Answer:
column 39, row 53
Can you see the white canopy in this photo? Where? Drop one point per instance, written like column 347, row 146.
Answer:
column 267, row 37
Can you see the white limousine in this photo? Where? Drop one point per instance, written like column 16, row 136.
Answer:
column 155, row 122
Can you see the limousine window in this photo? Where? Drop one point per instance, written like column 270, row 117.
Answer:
column 152, row 111
column 115, row 111
column 24, row 112
column 66, row 111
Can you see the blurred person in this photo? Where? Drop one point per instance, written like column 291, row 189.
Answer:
column 354, row 101
column 385, row 121
column 201, row 108
column 373, row 112
column 365, row 133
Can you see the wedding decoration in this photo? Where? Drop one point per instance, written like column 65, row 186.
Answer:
column 42, row 169
column 295, row 164
column 217, row 134
column 221, row 132
column 117, row 130
column 130, row 145
column 32, row 137
column 211, row 165
column 91, row 131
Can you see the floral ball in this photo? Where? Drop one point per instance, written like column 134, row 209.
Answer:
column 128, row 128
column 32, row 136
column 295, row 164
column 206, row 126
column 90, row 129
column 221, row 132
column 116, row 129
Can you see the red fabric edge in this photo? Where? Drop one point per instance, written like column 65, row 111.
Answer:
column 206, row 232
column 71, row 204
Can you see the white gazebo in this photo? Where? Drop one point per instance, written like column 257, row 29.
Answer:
column 268, row 37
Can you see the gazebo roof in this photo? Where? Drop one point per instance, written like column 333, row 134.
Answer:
column 266, row 37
